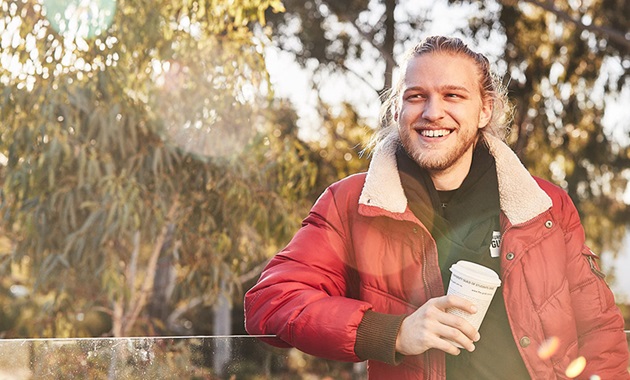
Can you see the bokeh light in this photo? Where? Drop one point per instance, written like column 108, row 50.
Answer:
column 548, row 348
column 79, row 19
column 576, row 367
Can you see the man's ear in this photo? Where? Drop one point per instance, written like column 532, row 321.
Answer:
column 486, row 114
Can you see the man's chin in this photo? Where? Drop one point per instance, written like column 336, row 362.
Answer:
column 431, row 162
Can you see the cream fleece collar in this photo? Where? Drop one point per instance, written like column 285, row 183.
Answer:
column 520, row 197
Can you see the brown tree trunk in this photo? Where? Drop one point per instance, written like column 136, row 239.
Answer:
column 388, row 43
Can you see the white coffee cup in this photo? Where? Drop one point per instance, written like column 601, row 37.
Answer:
column 475, row 283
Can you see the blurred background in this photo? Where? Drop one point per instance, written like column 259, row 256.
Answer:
column 155, row 154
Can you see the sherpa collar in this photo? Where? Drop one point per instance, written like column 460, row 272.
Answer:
column 520, row 196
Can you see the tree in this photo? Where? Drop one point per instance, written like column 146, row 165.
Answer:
column 107, row 170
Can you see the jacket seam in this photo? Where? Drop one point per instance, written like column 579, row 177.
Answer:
column 597, row 330
column 344, row 224
column 519, row 226
column 551, row 296
column 579, row 286
column 389, row 296
column 570, row 228
column 569, row 348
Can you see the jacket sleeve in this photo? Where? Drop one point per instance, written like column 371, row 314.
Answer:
column 303, row 295
column 600, row 325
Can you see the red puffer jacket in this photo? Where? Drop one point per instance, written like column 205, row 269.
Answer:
column 361, row 248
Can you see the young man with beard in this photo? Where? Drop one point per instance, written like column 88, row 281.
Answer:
column 365, row 276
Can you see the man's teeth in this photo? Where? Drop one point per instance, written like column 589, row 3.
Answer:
column 434, row 132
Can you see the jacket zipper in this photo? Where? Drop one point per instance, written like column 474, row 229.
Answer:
column 594, row 269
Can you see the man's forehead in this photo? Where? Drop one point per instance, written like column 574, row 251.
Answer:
column 447, row 70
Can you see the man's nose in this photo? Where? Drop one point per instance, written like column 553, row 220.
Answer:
column 433, row 109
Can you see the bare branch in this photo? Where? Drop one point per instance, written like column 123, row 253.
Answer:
column 253, row 273
column 183, row 309
column 140, row 300
column 369, row 37
column 132, row 269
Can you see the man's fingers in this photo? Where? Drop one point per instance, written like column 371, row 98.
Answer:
column 450, row 333
column 451, row 300
column 458, row 339
column 447, row 346
column 460, row 325
column 431, row 326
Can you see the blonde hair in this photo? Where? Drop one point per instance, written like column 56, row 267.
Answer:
column 491, row 88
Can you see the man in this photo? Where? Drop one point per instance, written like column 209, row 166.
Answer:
column 365, row 276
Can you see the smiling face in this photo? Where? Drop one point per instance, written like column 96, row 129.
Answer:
column 441, row 112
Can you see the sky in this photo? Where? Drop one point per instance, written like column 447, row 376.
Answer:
column 618, row 268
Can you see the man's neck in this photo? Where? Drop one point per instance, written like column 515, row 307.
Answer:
column 446, row 183
column 453, row 177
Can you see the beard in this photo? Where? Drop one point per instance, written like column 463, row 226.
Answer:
column 437, row 156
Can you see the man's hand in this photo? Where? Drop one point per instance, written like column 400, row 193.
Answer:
column 432, row 327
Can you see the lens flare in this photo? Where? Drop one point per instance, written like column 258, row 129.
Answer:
column 548, row 348
column 200, row 100
column 576, row 367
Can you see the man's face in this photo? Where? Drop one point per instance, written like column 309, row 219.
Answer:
column 441, row 111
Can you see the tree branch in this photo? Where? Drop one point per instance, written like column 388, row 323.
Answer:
column 369, row 37
column 609, row 33
column 253, row 273
column 147, row 285
column 361, row 78
column 133, row 268
column 183, row 309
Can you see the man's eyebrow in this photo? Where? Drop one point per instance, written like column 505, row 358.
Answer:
column 453, row 87
column 413, row 88
column 448, row 87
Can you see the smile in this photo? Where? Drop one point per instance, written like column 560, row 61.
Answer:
column 435, row 132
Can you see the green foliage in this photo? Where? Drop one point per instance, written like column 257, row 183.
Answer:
column 339, row 148
column 119, row 143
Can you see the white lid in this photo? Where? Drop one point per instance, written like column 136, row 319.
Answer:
column 477, row 272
